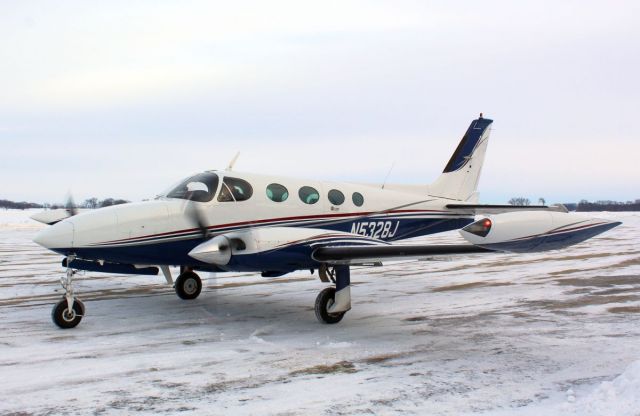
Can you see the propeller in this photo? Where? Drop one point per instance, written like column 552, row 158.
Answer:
column 195, row 215
column 70, row 205
column 215, row 250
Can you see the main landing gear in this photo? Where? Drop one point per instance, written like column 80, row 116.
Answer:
column 188, row 285
column 333, row 302
column 68, row 312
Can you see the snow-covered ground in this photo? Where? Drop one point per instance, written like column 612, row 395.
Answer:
column 554, row 333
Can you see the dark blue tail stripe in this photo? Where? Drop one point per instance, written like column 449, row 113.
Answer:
column 468, row 144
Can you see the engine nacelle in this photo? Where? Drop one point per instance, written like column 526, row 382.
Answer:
column 532, row 231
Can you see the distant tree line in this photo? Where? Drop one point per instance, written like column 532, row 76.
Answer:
column 6, row 204
column 96, row 203
column 88, row 203
column 521, row 201
column 585, row 206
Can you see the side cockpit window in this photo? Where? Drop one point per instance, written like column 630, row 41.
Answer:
column 200, row 188
column 234, row 189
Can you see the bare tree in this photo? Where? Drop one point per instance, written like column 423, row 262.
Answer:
column 542, row 201
column 90, row 203
column 106, row 202
column 519, row 200
column 110, row 201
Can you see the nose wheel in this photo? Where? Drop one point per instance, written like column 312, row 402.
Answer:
column 67, row 318
column 68, row 312
column 188, row 285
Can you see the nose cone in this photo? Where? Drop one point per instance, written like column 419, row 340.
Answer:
column 57, row 236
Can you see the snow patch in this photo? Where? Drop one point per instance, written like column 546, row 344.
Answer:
column 494, row 335
column 19, row 219
column 339, row 345
column 266, row 330
column 619, row 397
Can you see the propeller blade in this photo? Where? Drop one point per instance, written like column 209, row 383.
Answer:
column 197, row 218
column 70, row 206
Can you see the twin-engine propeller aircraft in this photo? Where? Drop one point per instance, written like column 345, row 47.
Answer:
column 224, row 221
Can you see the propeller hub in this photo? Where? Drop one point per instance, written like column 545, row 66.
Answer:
column 215, row 251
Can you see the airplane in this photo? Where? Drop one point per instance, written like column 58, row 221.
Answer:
column 226, row 221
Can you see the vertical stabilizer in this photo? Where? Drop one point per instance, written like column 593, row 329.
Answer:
column 460, row 177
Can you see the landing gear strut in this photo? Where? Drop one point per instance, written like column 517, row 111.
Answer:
column 188, row 285
column 68, row 312
column 332, row 303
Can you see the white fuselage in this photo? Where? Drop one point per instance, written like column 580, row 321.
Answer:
column 159, row 232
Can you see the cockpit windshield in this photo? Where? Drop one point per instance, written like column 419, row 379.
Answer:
column 200, row 188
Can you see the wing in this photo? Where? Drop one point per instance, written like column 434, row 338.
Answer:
column 480, row 209
column 518, row 232
column 353, row 255
column 324, row 246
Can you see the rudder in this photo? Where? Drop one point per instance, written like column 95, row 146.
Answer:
column 460, row 177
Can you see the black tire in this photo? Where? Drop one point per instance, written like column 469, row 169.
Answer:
column 61, row 316
column 188, row 285
column 81, row 305
column 325, row 299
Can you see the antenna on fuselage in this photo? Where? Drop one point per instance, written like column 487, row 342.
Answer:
column 233, row 161
column 388, row 173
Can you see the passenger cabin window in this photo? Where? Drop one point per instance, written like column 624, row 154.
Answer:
column 308, row 195
column 234, row 189
column 200, row 188
column 357, row 199
column 336, row 197
column 277, row 192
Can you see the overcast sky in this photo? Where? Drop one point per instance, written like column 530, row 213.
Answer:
column 122, row 99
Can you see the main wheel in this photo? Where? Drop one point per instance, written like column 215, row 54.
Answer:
column 324, row 300
column 64, row 318
column 188, row 285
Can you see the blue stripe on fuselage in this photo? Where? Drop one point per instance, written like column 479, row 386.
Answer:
column 175, row 252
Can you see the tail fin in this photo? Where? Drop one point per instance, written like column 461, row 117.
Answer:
column 459, row 179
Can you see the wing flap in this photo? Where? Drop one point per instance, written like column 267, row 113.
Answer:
column 375, row 254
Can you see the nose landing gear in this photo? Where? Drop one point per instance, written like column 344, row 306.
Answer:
column 68, row 312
